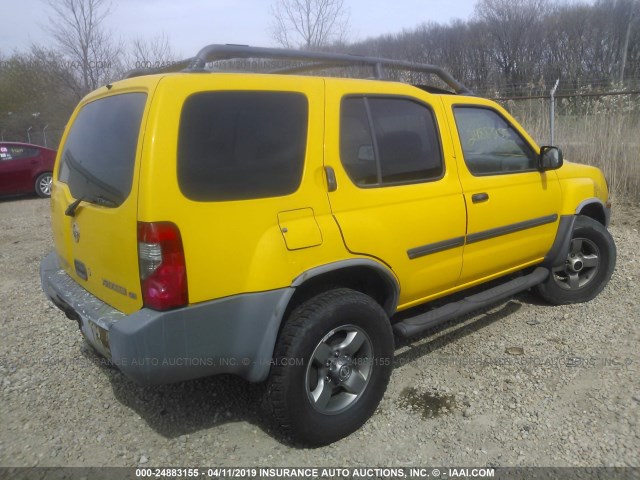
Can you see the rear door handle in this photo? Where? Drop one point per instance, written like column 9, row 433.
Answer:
column 332, row 183
column 479, row 197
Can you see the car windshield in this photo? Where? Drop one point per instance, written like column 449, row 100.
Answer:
column 98, row 157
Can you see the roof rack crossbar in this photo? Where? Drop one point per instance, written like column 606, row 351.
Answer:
column 319, row 60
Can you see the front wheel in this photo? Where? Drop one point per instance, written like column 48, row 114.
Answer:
column 587, row 268
column 331, row 366
column 43, row 184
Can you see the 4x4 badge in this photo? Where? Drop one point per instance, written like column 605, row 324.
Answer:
column 76, row 232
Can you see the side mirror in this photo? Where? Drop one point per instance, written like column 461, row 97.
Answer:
column 550, row 158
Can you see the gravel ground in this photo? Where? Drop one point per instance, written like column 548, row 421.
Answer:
column 456, row 398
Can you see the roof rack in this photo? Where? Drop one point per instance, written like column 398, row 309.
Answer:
column 317, row 61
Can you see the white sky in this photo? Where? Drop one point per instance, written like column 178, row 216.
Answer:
column 192, row 24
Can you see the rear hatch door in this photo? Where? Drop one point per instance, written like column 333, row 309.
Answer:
column 95, row 196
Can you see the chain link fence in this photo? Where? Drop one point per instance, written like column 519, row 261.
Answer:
column 49, row 137
column 596, row 128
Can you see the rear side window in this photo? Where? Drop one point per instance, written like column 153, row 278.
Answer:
column 241, row 145
column 387, row 141
column 22, row 152
column 99, row 155
column 17, row 152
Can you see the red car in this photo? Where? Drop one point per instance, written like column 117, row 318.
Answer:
column 25, row 168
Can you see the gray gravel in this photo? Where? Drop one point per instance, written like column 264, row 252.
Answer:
column 456, row 398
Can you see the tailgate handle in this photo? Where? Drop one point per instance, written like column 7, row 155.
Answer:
column 479, row 197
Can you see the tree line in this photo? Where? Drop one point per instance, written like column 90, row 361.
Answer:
column 40, row 87
column 507, row 48
column 514, row 47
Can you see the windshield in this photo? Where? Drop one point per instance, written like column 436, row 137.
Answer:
column 99, row 154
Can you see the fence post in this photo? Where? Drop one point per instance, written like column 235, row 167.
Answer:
column 552, row 111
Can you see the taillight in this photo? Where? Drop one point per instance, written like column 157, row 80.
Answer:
column 163, row 272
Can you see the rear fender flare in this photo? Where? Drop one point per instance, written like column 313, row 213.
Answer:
column 260, row 369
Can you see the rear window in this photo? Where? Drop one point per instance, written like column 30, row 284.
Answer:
column 99, row 155
column 241, row 145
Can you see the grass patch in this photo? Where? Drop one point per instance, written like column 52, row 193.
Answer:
column 604, row 132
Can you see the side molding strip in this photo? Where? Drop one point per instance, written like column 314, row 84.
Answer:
column 435, row 247
column 514, row 227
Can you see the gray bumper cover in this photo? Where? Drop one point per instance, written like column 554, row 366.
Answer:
column 233, row 335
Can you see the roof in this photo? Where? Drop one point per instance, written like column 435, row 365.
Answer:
column 306, row 62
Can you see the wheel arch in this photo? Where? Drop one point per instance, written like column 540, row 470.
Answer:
column 594, row 208
column 363, row 275
column 376, row 280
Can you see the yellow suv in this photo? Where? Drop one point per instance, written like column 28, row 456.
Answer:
column 272, row 225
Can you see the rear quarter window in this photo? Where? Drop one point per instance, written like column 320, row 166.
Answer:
column 239, row 145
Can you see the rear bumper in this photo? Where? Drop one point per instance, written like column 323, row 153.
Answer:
column 233, row 335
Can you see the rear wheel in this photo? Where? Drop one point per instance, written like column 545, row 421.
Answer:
column 587, row 268
column 43, row 184
column 331, row 366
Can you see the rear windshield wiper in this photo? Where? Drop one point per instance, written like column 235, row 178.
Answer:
column 71, row 209
column 97, row 199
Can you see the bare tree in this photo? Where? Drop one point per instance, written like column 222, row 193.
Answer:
column 60, row 69
column 32, row 94
column 625, row 46
column 627, row 11
column 514, row 28
column 309, row 23
column 77, row 26
column 567, row 44
column 151, row 53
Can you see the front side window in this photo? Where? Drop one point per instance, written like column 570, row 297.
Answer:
column 240, row 145
column 490, row 144
column 99, row 154
column 387, row 141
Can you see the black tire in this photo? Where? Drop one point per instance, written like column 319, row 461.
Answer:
column 43, row 184
column 307, row 406
column 588, row 266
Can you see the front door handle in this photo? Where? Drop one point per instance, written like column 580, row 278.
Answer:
column 479, row 197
